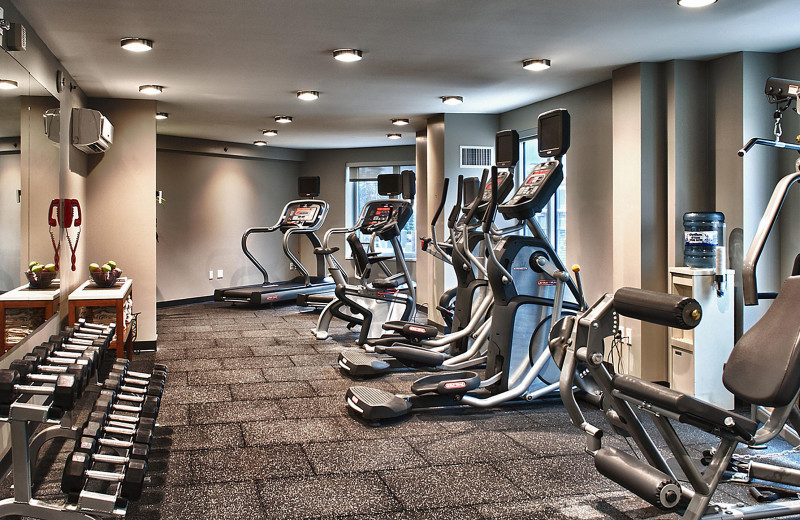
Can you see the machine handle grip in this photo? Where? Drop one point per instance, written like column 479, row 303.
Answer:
column 488, row 217
column 441, row 204
column 670, row 310
column 477, row 200
column 453, row 217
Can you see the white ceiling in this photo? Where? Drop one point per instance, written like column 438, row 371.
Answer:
column 229, row 66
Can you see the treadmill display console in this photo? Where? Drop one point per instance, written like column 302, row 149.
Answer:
column 378, row 215
column 301, row 215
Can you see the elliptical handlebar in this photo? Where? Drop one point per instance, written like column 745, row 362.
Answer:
column 452, row 219
column 488, row 216
column 434, row 237
column 477, row 200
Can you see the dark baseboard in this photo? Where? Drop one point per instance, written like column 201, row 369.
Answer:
column 143, row 346
column 184, row 301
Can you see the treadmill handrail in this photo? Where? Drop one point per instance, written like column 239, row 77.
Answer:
column 247, row 251
column 749, row 282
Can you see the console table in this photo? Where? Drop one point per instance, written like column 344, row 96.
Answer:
column 90, row 295
column 24, row 297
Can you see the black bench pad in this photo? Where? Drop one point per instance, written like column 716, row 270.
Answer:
column 689, row 409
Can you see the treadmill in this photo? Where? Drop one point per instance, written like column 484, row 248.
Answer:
column 299, row 217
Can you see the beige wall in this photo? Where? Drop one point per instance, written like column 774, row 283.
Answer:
column 210, row 201
column 119, row 210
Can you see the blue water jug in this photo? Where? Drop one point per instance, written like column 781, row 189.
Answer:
column 702, row 233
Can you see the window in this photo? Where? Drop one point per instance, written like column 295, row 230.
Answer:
column 553, row 218
column 362, row 187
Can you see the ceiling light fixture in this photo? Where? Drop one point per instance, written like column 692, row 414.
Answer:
column 136, row 44
column 260, row 143
column 283, row 119
column 348, row 55
column 162, row 115
column 393, row 136
column 308, row 95
column 8, row 84
column 695, row 3
column 270, row 133
column 452, row 100
column 536, row 64
column 151, row 90
column 400, row 122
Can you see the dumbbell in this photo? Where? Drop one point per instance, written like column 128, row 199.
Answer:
column 71, row 344
column 79, row 339
column 119, row 383
column 25, row 367
column 144, row 407
column 64, row 390
column 123, row 421
column 78, row 470
column 122, row 364
column 137, row 433
column 83, row 324
column 46, row 352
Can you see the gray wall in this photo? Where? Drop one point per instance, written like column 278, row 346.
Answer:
column 589, row 179
column 119, row 209
column 10, row 217
column 211, row 200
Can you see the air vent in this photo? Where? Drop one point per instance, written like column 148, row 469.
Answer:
column 476, row 156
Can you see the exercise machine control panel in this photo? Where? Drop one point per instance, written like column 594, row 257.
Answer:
column 380, row 216
column 302, row 214
column 505, row 183
column 539, row 187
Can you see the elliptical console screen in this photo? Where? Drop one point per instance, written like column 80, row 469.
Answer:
column 299, row 215
column 378, row 214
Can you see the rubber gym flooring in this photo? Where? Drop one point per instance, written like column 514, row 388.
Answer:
column 253, row 425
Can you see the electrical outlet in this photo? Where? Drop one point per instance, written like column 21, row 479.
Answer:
column 219, row 273
column 211, row 275
column 292, row 267
column 628, row 336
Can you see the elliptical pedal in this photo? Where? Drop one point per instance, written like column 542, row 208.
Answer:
column 360, row 364
column 373, row 404
column 450, row 383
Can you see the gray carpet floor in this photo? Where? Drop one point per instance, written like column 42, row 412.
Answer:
column 253, row 425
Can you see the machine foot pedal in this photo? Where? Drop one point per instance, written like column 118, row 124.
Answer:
column 450, row 383
column 360, row 364
column 373, row 404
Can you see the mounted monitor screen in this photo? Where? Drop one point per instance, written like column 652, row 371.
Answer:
column 506, row 145
column 390, row 184
column 308, row 186
column 553, row 133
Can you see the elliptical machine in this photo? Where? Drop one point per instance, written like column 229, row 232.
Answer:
column 527, row 279
column 371, row 304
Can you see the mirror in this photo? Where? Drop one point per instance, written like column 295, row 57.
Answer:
column 29, row 166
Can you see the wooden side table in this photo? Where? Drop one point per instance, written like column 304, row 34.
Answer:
column 24, row 297
column 89, row 295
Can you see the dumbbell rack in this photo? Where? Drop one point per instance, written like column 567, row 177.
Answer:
column 25, row 414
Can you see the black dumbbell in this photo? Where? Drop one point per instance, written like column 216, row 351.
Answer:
column 122, row 365
column 46, row 353
column 77, row 471
column 136, row 450
column 72, row 339
column 26, row 367
column 140, row 434
column 133, row 386
column 144, row 406
column 59, row 362
column 64, row 391
column 124, row 421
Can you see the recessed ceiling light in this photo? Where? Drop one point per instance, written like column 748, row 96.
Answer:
column 393, row 136
column 260, row 143
column 162, row 115
column 136, row 44
column 308, row 95
column 8, row 84
column 283, row 119
column 270, row 133
column 695, row 3
column 347, row 55
column 452, row 100
column 400, row 122
column 151, row 90
column 536, row 65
